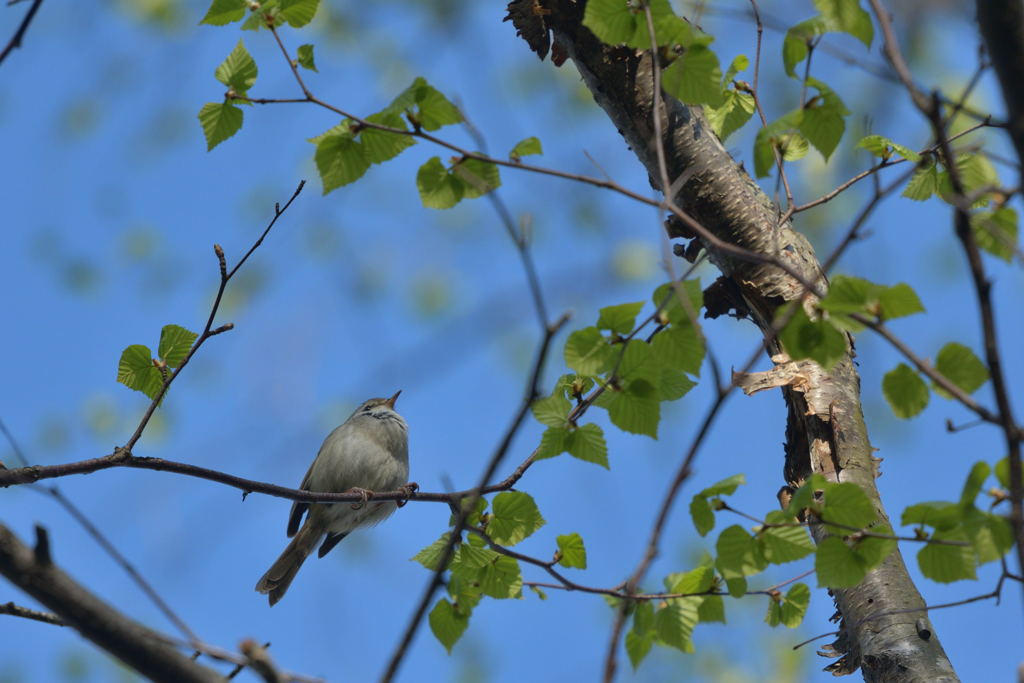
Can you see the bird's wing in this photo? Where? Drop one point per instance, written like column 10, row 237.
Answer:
column 299, row 508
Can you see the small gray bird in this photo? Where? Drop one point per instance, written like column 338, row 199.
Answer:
column 369, row 452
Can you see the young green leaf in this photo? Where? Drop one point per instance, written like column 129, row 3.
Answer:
column 514, row 516
column 697, row 580
column 619, row 319
column 785, row 543
column 526, row 147
column 738, row 553
column 847, row 504
column 587, row 443
column 340, row 158
column 675, row 622
column 924, row 183
column 135, row 370
column 298, row 13
column 734, row 111
column 961, row 367
column 447, row 623
column 712, row 609
column 551, row 410
column 501, row 579
column 823, row 119
column 641, row 636
column 695, row 77
column 224, row 12
column 588, row 353
column 219, row 122
column 898, row 301
column 615, row 22
column 905, row 391
column 635, row 409
column 883, row 147
column 818, row 340
column 305, row 57
column 438, row 188
column 837, row 565
column 701, row 514
column 175, row 343
column 789, row 610
column 238, row 71
column 480, row 177
column 426, row 106
column 571, row 551
column 430, row 556
column 381, row 145
column 947, row 563
column 996, row 232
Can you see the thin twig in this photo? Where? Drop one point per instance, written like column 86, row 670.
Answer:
column 15, row 41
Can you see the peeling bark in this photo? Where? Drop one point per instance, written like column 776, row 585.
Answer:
column 825, row 432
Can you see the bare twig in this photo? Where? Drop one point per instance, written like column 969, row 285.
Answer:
column 19, row 35
column 34, row 615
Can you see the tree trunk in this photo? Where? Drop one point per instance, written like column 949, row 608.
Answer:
column 883, row 629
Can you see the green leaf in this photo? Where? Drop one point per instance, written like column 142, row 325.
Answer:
column 298, row 13
column 789, row 610
column 837, row 565
column 905, row 391
column 641, row 636
column 588, row 353
column 224, row 12
column 947, row 563
column 447, row 623
column 525, row 147
column 883, row 147
column 615, row 22
column 785, row 543
column 438, row 188
column 996, row 232
column 480, row 177
column 847, row 16
column 514, row 516
column 961, row 367
column 635, row 409
column 898, row 301
column 712, row 609
column 924, row 183
column 675, row 622
column 219, row 122
column 430, row 556
column 847, row 504
column 238, row 71
column 697, row 580
column 794, row 45
column 269, row 13
column 991, row 535
column 850, row 295
column 735, row 110
column 587, row 443
column 175, row 343
column 703, row 517
column 975, row 480
column 738, row 553
column 381, row 145
column 679, row 348
column 501, row 578
column 680, row 302
column 619, row 319
column 737, row 587
column 976, row 172
column 940, row 515
column 739, row 63
column 552, row 442
column 551, row 410
column 872, row 550
column 818, row 340
column 306, row 61
column 695, row 77
column 572, row 553
column 793, row 146
column 1002, row 470
column 822, row 121
column 427, row 106
column 725, row 487
column 340, row 158
column 772, row 137
column 136, row 371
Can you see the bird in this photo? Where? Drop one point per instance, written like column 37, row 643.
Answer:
column 368, row 452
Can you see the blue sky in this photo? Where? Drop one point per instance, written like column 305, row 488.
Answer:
column 112, row 207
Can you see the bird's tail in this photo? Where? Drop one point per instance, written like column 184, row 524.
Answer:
column 280, row 575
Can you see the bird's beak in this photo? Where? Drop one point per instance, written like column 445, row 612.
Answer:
column 391, row 401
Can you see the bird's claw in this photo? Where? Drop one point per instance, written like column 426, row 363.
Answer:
column 408, row 489
column 364, row 494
